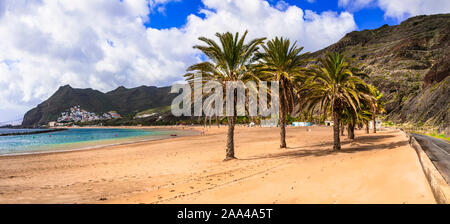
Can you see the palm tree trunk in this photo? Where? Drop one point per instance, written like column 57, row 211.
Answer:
column 337, row 140
column 282, row 121
column 230, row 139
column 374, row 123
column 342, row 128
column 230, row 134
column 282, row 129
column 352, row 128
column 351, row 131
column 367, row 127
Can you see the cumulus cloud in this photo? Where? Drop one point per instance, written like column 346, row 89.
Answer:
column 403, row 9
column 282, row 5
column 354, row 5
column 400, row 9
column 102, row 44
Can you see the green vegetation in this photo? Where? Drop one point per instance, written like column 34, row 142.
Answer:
column 123, row 100
column 282, row 62
column 231, row 60
column 155, row 110
column 406, row 63
column 422, row 129
column 334, row 85
column 441, row 136
column 430, row 132
column 416, row 67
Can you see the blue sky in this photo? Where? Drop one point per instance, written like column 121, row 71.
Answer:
column 176, row 12
column 103, row 44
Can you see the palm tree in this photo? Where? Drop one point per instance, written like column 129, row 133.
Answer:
column 230, row 60
column 361, row 117
column 333, row 85
column 282, row 61
column 365, row 112
column 349, row 117
column 365, row 115
column 364, row 92
column 376, row 105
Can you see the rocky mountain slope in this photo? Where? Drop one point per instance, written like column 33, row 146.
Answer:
column 122, row 100
column 410, row 64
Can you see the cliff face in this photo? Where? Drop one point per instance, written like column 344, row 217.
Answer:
column 122, row 100
column 409, row 63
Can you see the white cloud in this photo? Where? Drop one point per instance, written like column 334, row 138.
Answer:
column 282, row 5
column 354, row 5
column 400, row 9
column 102, row 44
column 160, row 5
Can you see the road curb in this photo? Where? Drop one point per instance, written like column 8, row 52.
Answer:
column 439, row 186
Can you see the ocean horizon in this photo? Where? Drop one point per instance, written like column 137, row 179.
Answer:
column 71, row 139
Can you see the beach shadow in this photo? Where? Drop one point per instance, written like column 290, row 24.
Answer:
column 369, row 147
column 372, row 139
column 348, row 146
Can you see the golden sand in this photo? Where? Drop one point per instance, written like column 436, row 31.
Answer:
column 375, row 168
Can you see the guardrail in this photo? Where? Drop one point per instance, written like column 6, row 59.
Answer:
column 430, row 131
column 439, row 186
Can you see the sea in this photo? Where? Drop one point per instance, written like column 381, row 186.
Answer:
column 72, row 139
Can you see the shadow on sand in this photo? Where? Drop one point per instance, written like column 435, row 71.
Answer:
column 348, row 146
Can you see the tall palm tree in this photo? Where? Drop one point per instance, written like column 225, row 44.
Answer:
column 283, row 62
column 365, row 96
column 332, row 86
column 230, row 60
column 361, row 117
column 376, row 105
column 349, row 117
column 365, row 117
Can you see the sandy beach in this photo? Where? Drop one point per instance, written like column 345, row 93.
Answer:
column 375, row 168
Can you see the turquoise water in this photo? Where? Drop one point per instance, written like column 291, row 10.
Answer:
column 69, row 139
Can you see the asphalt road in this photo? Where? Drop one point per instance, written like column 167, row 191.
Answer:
column 439, row 153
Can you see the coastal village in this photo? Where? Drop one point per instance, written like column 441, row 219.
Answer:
column 77, row 114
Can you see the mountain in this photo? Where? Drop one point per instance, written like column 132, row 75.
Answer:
column 122, row 100
column 409, row 63
column 16, row 122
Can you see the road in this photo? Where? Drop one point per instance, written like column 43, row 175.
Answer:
column 439, row 153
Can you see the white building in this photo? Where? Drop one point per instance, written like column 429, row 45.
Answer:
column 273, row 122
column 302, row 124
